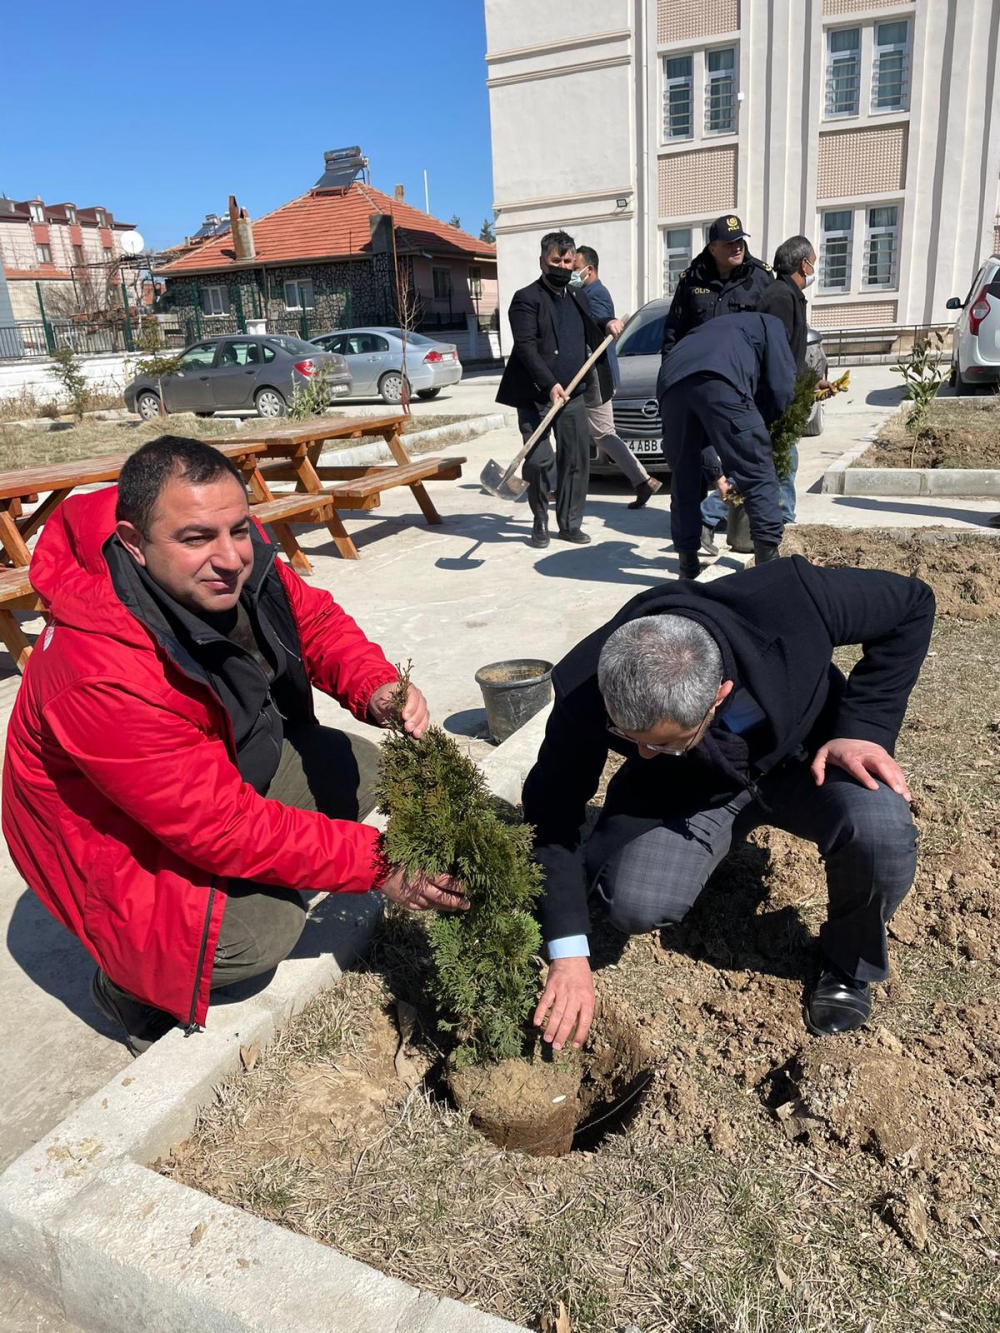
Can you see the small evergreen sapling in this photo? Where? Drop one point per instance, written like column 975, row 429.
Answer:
column 443, row 820
column 790, row 426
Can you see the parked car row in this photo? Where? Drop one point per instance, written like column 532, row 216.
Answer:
column 261, row 372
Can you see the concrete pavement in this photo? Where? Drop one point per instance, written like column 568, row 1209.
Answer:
column 452, row 598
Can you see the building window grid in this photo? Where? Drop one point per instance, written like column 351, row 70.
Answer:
column 680, row 245
column 442, row 284
column 708, row 78
column 43, row 253
column 475, row 282
column 214, row 300
column 37, row 212
column 881, row 248
column 873, row 57
column 890, row 66
column 300, row 295
column 836, row 247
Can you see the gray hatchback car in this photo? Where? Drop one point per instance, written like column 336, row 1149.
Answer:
column 256, row 372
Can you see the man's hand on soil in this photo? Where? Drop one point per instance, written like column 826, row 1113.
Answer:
column 865, row 761
column 568, row 1002
column 416, row 718
column 421, row 893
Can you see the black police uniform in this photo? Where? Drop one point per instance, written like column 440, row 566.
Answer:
column 719, row 389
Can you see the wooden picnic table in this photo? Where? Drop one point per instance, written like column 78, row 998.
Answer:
column 58, row 480
column 292, row 453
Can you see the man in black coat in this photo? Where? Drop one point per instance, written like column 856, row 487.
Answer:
column 553, row 336
column 725, row 279
column 730, row 713
column 720, row 389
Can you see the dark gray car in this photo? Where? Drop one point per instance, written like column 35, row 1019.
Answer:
column 259, row 373
column 636, row 412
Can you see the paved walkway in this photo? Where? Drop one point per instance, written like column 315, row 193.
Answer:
column 453, row 599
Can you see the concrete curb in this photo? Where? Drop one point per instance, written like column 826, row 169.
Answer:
column 842, row 478
column 117, row 1247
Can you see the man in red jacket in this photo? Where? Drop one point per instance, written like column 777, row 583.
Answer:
column 167, row 790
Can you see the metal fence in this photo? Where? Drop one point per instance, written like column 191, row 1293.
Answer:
column 881, row 345
column 40, row 338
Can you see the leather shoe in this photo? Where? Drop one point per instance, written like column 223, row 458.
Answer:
column 643, row 491
column 763, row 553
column 707, row 543
column 539, row 535
column 575, row 535
column 688, row 564
column 838, row 1004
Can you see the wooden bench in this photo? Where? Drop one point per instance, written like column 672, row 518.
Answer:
column 16, row 594
column 279, row 511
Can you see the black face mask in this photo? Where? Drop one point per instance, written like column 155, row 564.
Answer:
column 559, row 277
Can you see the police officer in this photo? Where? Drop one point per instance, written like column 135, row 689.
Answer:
column 725, row 279
column 721, row 388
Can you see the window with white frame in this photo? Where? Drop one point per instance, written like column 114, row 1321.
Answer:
column 676, row 256
column 475, row 282
column 881, row 247
column 678, row 97
column 890, row 66
column 37, row 212
column 102, row 217
column 836, row 244
column 214, row 300
column 43, row 253
column 843, row 72
column 720, row 91
column 299, row 295
column 71, row 216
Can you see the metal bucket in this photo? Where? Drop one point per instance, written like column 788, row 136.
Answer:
column 513, row 692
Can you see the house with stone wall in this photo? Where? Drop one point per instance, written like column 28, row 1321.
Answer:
column 340, row 255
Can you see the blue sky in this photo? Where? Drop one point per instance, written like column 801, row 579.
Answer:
column 160, row 112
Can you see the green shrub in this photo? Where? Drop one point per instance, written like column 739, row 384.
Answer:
column 788, row 429
column 67, row 371
column 443, row 820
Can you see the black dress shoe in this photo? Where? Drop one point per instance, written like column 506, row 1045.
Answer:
column 643, row 491
column 764, row 553
column 141, row 1023
column 575, row 535
column 539, row 534
column 689, row 566
column 838, row 1004
column 707, row 540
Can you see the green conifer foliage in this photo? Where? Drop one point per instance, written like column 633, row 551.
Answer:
column 789, row 427
column 444, row 820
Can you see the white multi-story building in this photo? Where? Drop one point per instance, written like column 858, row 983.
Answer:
column 872, row 126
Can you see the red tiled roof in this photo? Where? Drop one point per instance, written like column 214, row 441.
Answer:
column 328, row 226
column 44, row 273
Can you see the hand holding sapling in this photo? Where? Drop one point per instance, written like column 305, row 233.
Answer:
column 387, row 709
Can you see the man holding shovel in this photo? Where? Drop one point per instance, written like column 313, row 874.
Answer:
column 553, row 336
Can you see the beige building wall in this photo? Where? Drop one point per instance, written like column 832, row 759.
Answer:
column 895, row 182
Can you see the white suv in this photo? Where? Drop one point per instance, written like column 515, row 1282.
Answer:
column 975, row 357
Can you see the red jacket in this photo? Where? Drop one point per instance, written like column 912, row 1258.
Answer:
column 123, row 807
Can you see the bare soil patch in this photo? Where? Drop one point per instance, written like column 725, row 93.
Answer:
column 962, row 435
column 762, row 1180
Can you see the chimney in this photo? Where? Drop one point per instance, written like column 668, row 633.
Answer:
column 242, row 230
column 381, row 230
column 399, row 194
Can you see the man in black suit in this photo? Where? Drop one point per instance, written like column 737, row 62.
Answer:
column 553, row 336
column 727, row 707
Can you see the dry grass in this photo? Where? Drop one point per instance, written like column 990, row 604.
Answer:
column 66, row 440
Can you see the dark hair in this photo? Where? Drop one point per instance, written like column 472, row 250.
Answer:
column 557, row 240
column 589, row 256
column 145, row 474
column 789, row 255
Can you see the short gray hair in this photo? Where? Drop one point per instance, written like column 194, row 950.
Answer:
column 789, row 255
column 657, row 669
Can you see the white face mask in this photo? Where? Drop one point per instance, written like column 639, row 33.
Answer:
column 576, row 278
column 809, row 280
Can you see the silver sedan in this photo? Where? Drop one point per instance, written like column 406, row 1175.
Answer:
column 375, row 358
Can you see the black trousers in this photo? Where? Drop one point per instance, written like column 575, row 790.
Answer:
column 320, row 769
column 707, row 411
column 564, row 468
column 867, row 839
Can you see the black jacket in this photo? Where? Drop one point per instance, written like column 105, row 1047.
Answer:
column 777, row 626
column 786, row 301
column 750, row 352
column 701, row 295
column 533, row 366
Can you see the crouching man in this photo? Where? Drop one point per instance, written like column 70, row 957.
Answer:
column 729, row 712
column 167, row 790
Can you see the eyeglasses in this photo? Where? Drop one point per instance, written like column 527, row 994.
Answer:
column 665, row 749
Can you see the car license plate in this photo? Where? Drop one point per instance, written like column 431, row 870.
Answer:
column 340, row 388
column 645, row 447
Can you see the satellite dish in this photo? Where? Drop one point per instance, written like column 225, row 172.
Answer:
column 131, row 242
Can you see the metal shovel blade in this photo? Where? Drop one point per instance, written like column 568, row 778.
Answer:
column 492, row 480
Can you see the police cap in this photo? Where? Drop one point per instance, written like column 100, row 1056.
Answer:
column 726, row 228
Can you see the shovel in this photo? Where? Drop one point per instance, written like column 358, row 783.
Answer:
column 501, row 482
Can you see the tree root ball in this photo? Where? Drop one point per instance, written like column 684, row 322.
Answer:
column 522, row 1105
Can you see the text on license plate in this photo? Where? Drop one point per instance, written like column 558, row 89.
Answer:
column 644, row 446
